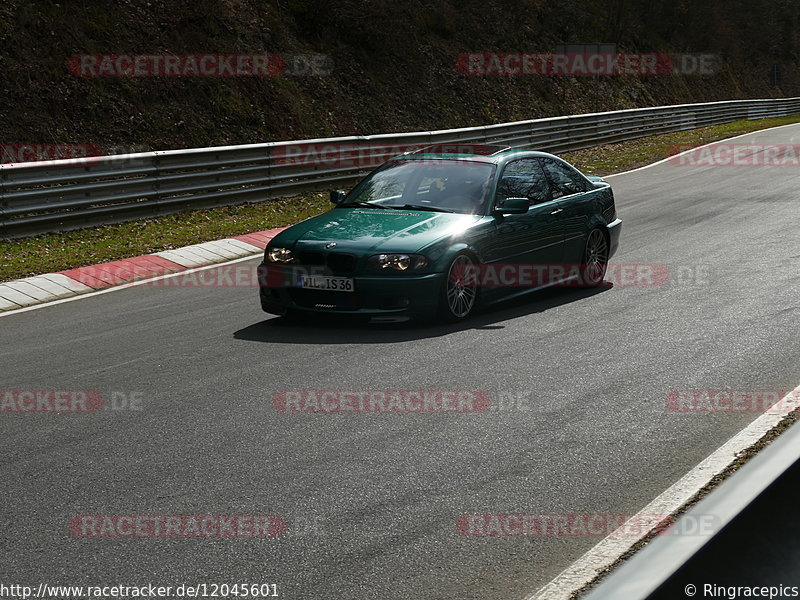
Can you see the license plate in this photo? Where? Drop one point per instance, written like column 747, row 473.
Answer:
column 331, row 284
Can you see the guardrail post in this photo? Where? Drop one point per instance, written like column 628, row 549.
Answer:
column 156, row 162
column 3, row 202
column 268, row 171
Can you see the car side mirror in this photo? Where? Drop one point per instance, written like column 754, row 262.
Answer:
column 337, row 196
column 512, row 206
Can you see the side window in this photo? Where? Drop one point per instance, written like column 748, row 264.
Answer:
column 565, row 179
column 523, row 179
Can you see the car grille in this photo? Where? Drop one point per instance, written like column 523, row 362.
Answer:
column 325, row 299
column 338, row 262
column 341, row 263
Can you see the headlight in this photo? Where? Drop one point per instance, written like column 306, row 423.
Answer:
column 398, row 262
column 280, row 255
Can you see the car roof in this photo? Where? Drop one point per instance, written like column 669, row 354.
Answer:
column 484, row 153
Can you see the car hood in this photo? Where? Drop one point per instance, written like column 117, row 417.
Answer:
column 379, row 230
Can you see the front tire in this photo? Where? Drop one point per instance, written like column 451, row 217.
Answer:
column 459, row 289
column 595, row 259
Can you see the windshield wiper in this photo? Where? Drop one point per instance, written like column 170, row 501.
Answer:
column 418, row 207
column 360, row 204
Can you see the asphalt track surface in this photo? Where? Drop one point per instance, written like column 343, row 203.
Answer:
column 372, row 500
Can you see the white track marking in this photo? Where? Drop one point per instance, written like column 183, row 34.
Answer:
column 181, row 258
column 243, row 246
column 222, row 250
column 71, row 284
column 11, row 294
column 54, row 290
column 7, row 304
column 24, row 286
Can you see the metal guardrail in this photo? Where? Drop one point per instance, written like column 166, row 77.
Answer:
column 69, row 194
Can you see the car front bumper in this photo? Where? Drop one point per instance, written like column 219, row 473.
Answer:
column 391, row 295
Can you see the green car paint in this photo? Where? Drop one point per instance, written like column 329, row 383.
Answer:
column 345, row 246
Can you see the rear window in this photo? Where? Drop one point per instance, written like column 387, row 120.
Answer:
column 565, row 180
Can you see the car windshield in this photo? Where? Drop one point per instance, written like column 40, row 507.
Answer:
column 436, row 185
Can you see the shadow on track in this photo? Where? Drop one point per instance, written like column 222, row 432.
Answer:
column 345, row 329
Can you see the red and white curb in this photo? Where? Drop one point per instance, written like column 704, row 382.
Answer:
column 40, row 289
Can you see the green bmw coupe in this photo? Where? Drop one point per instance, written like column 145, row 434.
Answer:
column 440, row 231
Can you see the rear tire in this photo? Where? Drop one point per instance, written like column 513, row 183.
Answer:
column 459, row 295
column 595, row 259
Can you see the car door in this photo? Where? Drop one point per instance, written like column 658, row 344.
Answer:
column 574, row 195
column 536, row 236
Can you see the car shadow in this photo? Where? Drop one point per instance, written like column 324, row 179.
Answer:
column 344, row 329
